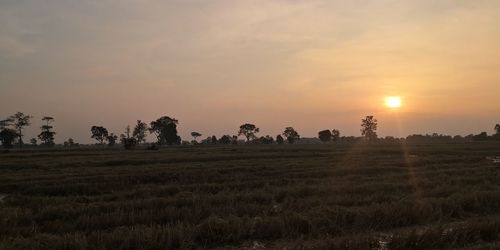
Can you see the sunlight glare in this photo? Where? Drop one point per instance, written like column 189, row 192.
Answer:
column 393, row 102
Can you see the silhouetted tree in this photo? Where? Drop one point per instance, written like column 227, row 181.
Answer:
column 497, row 129
column 129, row 142
column 266, row 139
column 7, row 135
column 207, row 141
column 335, row 134
column 325, row 135
column 214, row 139
column 99, row 133
column 234, row 141
column 165, row 129
column 47, row 135
column 483, row 136
column 291, row 135
column 69, row 143
column 195, row 135
column 279, row 139
column 140, row 130
column 248, row 130
column 111, row 138
column 20, row 121
column 225, row 139
column 33, row 142
column 369, row 128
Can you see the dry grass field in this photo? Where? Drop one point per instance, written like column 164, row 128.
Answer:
column 387, row 196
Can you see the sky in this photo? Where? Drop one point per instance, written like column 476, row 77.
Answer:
column 214, row 64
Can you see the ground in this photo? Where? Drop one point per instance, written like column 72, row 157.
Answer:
column 331, row 196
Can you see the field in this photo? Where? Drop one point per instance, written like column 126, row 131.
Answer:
column 391, row 196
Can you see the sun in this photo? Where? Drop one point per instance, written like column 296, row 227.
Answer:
column 393, row 102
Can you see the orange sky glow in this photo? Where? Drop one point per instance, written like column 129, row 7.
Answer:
column 213, row 65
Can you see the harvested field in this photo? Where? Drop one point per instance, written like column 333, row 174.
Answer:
column 388, row 196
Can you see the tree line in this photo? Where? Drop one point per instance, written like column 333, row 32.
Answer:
column 165, row 131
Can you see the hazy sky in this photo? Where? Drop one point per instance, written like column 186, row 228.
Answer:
column 214, row 65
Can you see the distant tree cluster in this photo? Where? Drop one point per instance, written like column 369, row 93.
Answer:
column 329, row 135
column 165, row 131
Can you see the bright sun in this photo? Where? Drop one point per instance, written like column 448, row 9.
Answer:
column 393, row 102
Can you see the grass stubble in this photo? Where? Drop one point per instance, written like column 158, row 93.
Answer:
column 332, row 196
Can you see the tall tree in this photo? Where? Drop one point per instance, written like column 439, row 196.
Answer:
column 140, row 130
column 99, row 133
column 47, row 135
column 325, row 135
column 248, row 130
column 20, row 120
column 369, row 128
column 291, row 135
column 165, row 129
column 195, row 135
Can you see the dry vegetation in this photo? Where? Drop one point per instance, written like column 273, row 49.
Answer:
column 438, row 196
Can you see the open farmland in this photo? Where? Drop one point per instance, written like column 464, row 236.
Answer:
column 385, row 196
